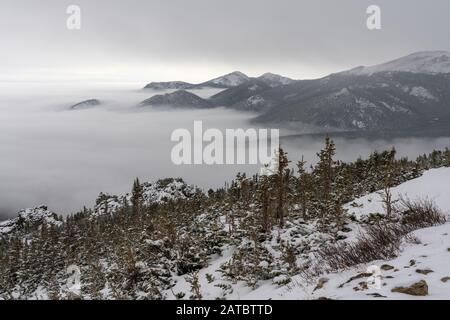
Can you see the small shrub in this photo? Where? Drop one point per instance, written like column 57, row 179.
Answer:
column 382, row 240
column 378, row 241
column 193, row 280
column 419, row 214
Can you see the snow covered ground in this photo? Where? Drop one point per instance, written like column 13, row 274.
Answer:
column 431, row 254
column 426, row 258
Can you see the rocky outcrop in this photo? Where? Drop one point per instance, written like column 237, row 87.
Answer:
column 28, row 221
column 158, row 192
column 417, row 289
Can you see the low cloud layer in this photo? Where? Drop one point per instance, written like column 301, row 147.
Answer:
column 65, row 158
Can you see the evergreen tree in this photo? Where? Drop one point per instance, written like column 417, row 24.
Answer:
column 265, row 203
column 447, row 157
column 282, row 181
column 324, row 172
column 304, row 188
column 137, row 198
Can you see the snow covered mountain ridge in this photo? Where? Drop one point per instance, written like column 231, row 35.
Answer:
column 230, row 80
column 226, row 81
column 426, row 62
column 275, row 80
column 407, row 95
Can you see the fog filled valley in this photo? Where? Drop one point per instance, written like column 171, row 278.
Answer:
column 64, row 158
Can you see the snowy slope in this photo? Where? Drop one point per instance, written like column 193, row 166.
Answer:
column 429, row 252
column 429, row 62
column 432, row 253
column 433, row 185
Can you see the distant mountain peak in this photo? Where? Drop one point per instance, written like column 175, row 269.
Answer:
column 180, row 99
column 270, row 75
column 238, row 73
column 232, row 79
column 275, row 80
column 229, row 80
column 426, row 62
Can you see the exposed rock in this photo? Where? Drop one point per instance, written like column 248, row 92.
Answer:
column 358, row 276
column 417, row 289
column 376, row 295
column 424, row 271
column 346, row 229
column 361, row 286
column 445, row 279
column 386, row 267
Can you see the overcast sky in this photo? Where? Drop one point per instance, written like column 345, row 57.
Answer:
column 143, row 40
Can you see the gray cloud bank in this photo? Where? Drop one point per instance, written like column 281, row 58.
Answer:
column 156, row 40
